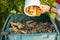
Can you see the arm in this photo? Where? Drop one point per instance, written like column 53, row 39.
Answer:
column 46, row 8
column 57, row 11
column 54, row 10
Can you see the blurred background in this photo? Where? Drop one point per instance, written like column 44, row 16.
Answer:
column 6, row 6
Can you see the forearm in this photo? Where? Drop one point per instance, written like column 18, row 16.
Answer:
column 57, row 11
column 54, row 10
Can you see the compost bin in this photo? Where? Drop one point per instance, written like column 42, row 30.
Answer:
column 23, row 18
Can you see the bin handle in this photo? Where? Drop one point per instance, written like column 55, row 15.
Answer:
column 45, row 36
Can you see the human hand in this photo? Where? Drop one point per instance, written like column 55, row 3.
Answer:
column 45, row 8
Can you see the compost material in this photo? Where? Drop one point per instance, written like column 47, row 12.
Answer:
column 30, row 27
column 33, row 10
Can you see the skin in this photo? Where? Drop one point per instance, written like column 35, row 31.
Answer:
column 45, row 8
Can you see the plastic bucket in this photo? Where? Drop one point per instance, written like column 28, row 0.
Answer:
column 31, row 3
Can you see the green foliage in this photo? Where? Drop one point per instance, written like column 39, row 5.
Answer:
column 18, row 5
column 48, row 2
column 8, row 5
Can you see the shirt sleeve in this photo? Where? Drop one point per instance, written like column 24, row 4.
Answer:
column 58, row 12
column 58, row 15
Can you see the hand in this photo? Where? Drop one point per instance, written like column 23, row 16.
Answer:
column 45, row 8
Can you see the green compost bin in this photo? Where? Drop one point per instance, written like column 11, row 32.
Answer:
column 24, row 18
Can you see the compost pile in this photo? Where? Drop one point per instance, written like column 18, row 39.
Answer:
column 30, row 27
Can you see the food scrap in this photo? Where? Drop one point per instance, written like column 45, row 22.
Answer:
column 30, row 27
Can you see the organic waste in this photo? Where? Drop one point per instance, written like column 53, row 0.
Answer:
column 30, row 27
column 33, row 10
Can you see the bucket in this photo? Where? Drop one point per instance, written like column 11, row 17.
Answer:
column 29, row 3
